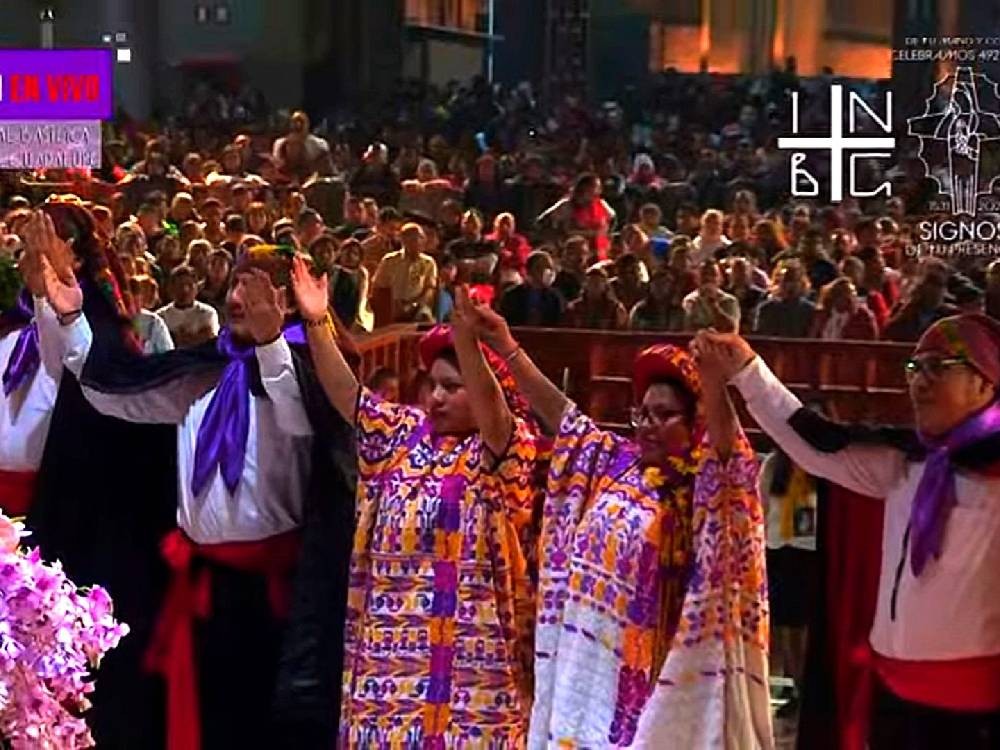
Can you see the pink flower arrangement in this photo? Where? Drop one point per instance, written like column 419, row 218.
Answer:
column 52, row 635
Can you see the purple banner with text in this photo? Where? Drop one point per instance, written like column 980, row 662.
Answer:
column 62, row 84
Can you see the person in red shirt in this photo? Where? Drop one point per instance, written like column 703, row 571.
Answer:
column 841, row 316
column 877, row 277
column 513, row 247
column 854, row 268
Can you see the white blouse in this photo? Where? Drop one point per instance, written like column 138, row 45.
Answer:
column 952, row 611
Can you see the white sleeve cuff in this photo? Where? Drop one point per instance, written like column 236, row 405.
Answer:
column 76, row 339
column 274, row 359
column 759, row 386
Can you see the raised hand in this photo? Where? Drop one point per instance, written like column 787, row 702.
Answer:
column 264, row 310
column 491, row 328
column 720, row 356
column 311, row 294
column 55, row 260
column 53, row 247
column 30, row 263
column 463, row 316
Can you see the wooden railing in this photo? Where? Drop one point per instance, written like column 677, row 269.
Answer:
column 855, row 381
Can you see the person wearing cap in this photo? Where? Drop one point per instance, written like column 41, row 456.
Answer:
column 652, row 615
column 935, row 639
column 437, row 649
column 244, row 463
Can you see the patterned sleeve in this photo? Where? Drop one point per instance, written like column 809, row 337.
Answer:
column 383, row 430
column 728, row 525
column 583, row 454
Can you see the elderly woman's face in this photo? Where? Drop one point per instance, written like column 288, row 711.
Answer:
column 662, row 428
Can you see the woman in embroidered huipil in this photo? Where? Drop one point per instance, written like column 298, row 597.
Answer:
column 437, row 644
column 652, row 619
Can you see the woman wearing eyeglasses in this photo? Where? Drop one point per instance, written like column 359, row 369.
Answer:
column 935, row 640
column 652, row 620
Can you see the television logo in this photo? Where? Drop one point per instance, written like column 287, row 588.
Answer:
column 837, row 143
column 960, row 120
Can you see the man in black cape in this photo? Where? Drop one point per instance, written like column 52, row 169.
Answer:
column 247, row 412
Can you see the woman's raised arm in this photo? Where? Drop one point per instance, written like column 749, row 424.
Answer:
column 335, row 375
column 545, row 399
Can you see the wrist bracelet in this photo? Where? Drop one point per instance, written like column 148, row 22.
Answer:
column 514, row 354
column 317, row 322
column 325, row 322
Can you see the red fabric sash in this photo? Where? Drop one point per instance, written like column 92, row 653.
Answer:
column 171, row 650
column 967, row 685
column 853, row 563
column 17, row 491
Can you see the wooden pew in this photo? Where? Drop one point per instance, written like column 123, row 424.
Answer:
column 855, row 381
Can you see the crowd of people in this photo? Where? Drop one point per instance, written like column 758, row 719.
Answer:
column 673, row 227
column 479, row 564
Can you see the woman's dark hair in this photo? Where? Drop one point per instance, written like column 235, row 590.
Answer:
column 450, row 356
column 381, row 376
column 626, row 260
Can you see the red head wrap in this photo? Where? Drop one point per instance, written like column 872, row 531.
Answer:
column 973, row 337
column 440, row 340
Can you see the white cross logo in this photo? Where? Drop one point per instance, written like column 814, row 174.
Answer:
column 837, row 143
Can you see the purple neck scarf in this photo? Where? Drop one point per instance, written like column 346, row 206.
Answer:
column 936, row 492
column 222, row 436
column 24, row 358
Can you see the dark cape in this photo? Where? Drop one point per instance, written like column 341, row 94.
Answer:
column 839, row 682
column 108, row 496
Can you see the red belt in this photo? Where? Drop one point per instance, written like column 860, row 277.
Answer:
column 971, row 685
column 171, row 650
column 17, row 490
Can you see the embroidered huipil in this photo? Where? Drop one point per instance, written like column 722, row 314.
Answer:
column 618, row 556
column 435, row 646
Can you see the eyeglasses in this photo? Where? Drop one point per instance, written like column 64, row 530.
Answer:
column 656, row 416
column 932, row 368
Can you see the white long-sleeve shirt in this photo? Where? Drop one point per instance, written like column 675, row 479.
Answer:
column 952, row 610
column 26, row 414
column 270, row 495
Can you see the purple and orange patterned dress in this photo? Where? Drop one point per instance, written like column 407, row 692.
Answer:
column 437, row 651
column 636, row 566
